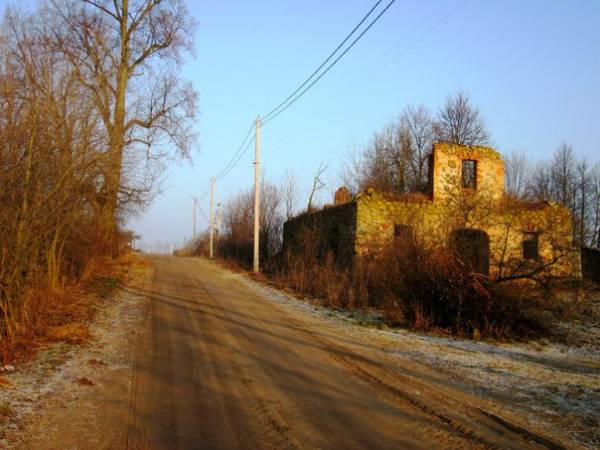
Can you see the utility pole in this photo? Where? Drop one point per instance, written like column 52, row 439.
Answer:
column 212, row 216
column 194, row 218
column 257, row 124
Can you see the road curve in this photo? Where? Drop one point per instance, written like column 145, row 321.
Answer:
column 221, row 367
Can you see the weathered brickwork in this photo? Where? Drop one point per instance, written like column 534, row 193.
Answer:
column 516, row 234
column 332, row 229
column 447, row 170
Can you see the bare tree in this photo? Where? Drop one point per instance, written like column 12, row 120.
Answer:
column 539, row 186
column 351, row 170
column 396, row 144
column 124, row 53
column 50, row 161
column 459, row 122
column 379, row 164
column 271, row 220
column 417, row 123
column 290, row 193
column 582, row 203
column 385, row 164
column 595, row 206
column 237, row 238
column 562, row 171
column 396, row 158
column 317, row 184
column 518, row 172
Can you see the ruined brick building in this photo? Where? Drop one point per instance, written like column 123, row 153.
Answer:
column 465, row 209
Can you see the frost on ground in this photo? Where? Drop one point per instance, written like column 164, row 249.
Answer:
column 68, row 377
column 554, row 386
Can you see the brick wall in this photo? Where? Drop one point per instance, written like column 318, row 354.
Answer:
column 332, row 229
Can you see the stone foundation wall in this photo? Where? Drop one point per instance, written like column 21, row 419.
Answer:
column 331, row 230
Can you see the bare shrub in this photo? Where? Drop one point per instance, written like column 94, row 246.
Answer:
column 417, row 287
column 430, row 288
column 236, row 241
column 313, row 273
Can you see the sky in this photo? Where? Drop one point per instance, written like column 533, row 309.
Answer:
column 532, row 68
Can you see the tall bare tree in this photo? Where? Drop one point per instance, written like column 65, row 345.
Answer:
column 562, row 171
column 236, row 241
column 351, row 170
column 290, row 193
column 49, row 164
column 582, row 202
column 518, row 172
column 459, row 122
column 124, row 53
column 539, row 186
column 386, row 163
column 417, row 124
column 595, row 206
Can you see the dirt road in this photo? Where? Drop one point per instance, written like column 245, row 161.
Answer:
column 223, row 368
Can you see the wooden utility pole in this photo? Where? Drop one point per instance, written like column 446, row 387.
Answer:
column 212, row 216
column 256, row 264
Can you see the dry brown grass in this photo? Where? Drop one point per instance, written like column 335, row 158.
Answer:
column 426, row 289
column 72, row 333
column 6, row 411
column 63, row 313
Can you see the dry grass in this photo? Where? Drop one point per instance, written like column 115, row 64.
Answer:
column 72, row 333
column 426, row 289
column 6, row 411
column 62, row 314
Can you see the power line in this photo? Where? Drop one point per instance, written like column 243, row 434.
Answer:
column 236, row 156
column 295, row 99
column 203, row 214
column 266, row 116
column 243, row 147
column 241, row 154
column 205, row 193
column 375, row 67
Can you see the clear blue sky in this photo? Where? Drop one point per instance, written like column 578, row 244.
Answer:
column 532, row 68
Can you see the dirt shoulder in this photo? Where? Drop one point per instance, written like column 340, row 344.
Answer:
column 550, row 387
column 92, row 378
